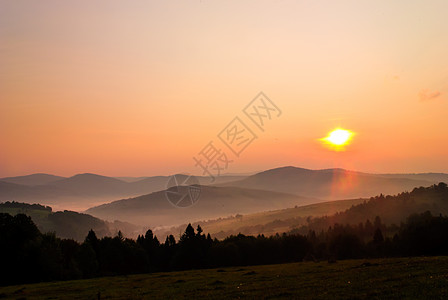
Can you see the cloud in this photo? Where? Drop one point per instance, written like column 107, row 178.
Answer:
column 426, row 95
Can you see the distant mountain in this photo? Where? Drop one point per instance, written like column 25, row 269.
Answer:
column 13, row 191
column 130, row 179
column 431, row 177
column 330, row 184
column 75, row 192
column 33, row 179
column 82, row 191
column 92, row 185
column 8, row 189
column 159, row 183
column 202, row 179
column 155, row 210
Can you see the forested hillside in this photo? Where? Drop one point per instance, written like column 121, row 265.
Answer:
column 392, row 209
column 65, row 224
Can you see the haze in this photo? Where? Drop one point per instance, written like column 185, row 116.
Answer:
column 223, row 149
column 138, row 89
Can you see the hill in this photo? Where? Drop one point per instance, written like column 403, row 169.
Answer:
column 33, row 179
column 65, row 224
column 431, row 177
column 155, row 210
column 46, row 194
column 267, row 222
column 320, row 216
column 92, row 185
column 82, row 191
column 34, row 257
column 391, row 209
column 330, row 184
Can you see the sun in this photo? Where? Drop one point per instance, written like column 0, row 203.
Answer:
column 338, row 139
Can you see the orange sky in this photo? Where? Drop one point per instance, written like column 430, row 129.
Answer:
column 138, row 89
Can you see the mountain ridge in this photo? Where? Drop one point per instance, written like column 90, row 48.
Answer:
column 330, row 184
column 155, row 209
column 84, row 190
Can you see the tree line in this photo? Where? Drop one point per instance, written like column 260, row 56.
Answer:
column 391, row 208
column 31, row 256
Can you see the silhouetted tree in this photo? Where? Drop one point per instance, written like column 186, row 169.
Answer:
column 30, row 256
column 378, row 236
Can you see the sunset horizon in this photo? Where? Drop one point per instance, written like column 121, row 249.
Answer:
column 84, row 96
column 228, row 149
column 199, row 172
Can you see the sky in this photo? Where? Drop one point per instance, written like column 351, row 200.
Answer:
column 140, row 88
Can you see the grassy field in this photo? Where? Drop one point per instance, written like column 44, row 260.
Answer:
column 398, row 278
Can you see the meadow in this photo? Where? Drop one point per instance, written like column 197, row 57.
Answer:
column 392, row 278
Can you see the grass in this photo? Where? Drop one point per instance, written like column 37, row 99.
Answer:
column 397, row 278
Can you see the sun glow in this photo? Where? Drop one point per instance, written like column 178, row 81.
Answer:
column 338, row 139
